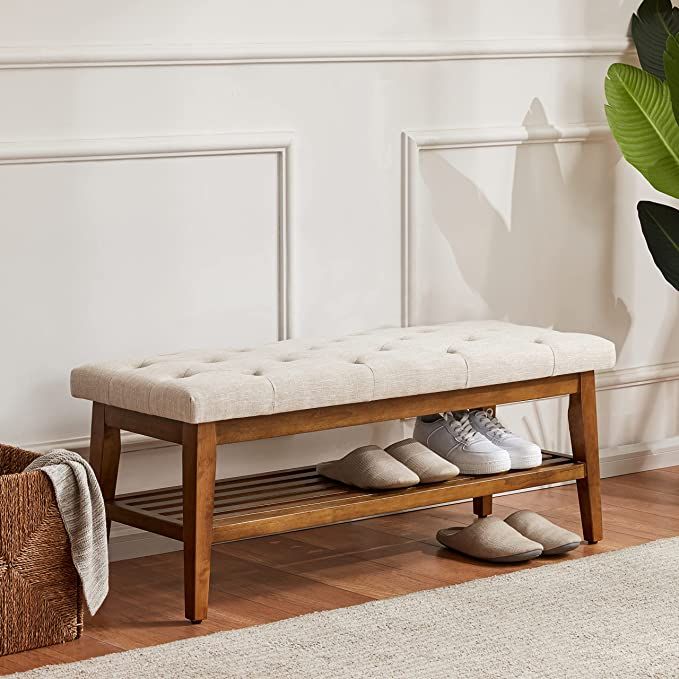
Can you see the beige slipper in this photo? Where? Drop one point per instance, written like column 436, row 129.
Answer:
column 430, row 467
column 490, row 539
column 370, row 468
column 553, row 538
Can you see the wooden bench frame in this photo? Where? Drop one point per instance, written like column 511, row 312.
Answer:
column 188, row 513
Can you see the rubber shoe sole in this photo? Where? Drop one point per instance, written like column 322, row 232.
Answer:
column 526, row 461
column 561, row 549
column 480, row 468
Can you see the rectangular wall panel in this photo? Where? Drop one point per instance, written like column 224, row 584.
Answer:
column 104, row 259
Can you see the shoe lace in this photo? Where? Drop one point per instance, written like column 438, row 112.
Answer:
column 460, row 426
column 492, row 424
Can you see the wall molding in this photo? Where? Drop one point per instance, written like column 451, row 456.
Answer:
column 639, row 457
column 183, row 146
column 415, row 142
column 106, row 56
column 622, row 378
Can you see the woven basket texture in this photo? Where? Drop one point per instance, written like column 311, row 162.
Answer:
column 40, row 599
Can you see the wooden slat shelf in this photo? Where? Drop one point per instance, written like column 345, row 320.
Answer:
column 276, row 502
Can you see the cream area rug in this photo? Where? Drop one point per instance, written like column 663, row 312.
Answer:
column 612, row 615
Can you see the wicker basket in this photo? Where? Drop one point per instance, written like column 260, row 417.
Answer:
column 40, row 600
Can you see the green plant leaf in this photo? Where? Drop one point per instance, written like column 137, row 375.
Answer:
column 660, row 225
column 639, row 113
column 653, row 23
column 671, row 59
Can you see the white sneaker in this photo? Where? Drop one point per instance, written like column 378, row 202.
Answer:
column 523, row 454
column 453, row 438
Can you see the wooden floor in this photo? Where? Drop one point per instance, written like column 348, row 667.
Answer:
column 267, row 579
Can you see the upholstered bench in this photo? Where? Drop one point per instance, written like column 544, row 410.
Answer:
column 200, row 399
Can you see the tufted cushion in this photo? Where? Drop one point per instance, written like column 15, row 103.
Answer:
column 205, row 386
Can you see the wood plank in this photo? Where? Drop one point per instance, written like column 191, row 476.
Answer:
column 344, row 538
column 658, row 480
column 363, row 576
column 81, row 649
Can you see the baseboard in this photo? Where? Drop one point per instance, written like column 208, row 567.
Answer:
column 639, row 457
column 130, row 543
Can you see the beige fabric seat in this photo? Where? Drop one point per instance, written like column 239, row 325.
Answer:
column 221, row 384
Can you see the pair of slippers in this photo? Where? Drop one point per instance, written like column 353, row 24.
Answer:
column 400, row 465
column 522, row 536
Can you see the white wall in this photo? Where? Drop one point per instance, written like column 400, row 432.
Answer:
column 296, row 190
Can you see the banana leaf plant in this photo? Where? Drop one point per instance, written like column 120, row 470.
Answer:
column 643, row 114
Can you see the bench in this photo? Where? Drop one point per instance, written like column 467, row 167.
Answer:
column 200, row 399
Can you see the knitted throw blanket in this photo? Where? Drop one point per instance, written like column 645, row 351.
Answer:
column 82, row 509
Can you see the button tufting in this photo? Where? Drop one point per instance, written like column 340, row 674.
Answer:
column 503, row 350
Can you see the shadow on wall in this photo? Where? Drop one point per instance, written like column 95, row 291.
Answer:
column 544, row 267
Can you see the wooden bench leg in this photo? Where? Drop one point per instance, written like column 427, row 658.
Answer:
column 585, row 442
column 483, row 506
column 199, row 456
column 104, row 454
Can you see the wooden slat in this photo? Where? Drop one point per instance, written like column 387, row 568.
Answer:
column 243, row 508
column 239, row 481
column 223, row 489
column 317, row 419
column 263, row 498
